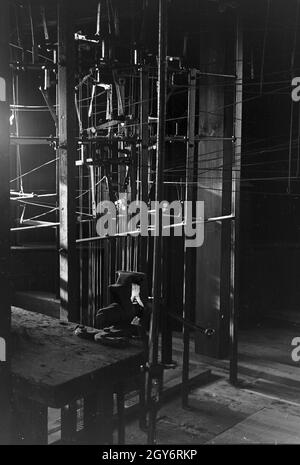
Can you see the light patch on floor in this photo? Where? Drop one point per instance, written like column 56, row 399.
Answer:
column 268, row 426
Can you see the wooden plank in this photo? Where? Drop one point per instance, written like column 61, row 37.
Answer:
column 4, row 228
column 256, row 429
column 69, row 282
column 226, row 285
column 52, row 365
column 275, row 391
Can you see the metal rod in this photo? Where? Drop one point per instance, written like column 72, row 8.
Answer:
column 137, row 231
column 98, row 24
column 44, row 21
column 144, row 157
column 93, row 191
column 190, row 324
column 160, row 156
column 32, row 30
column 232, row 76
column 25, row 228
column 24, row 140
column 189, row 256
column 161, row 112
column 234, row 284
column 49, row 105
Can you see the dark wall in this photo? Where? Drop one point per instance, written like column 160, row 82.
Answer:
column 270, row 201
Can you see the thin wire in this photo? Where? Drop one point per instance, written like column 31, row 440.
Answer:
column 264, row 46
column 34, row 169
column 40, row 215
column 89, row 190
column 292, row 102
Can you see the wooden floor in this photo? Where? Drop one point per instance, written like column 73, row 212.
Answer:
column 221, row 414
column 264, row 409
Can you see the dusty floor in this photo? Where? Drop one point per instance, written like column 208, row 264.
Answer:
column 222, row 414
column 265, row 409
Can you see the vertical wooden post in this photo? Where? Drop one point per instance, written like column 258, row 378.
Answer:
column 5, row 313
column 212, row 299
column 67, row 154
column 236, row 170
column 189, row 253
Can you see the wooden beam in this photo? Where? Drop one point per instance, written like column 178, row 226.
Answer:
column 5, row 312
column 69, row 283
column 227, row 186
column 212, row 305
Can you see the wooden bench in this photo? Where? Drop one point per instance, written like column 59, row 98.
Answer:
column 51, row 367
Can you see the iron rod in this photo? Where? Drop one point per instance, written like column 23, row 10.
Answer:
column 234, row 285
column 189, row 256
column 160, row 156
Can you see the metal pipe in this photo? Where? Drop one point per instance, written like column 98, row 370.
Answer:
column 98, row 25
column 207, row 331
column 161, row 115
column 189, row 258
column 138, row 231
column 155, row 385
column 232, row 76
column 27, row 140
column 234, row 284
column 25, row 228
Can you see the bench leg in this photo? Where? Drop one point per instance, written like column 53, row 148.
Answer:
column 30, row 420
column 121, row 414
column 69, row 423
column 98, row 417
column 143, row 403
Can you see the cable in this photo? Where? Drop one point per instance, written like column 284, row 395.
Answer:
column 34, row 169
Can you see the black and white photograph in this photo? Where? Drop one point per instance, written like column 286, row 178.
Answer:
column 150, row 225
